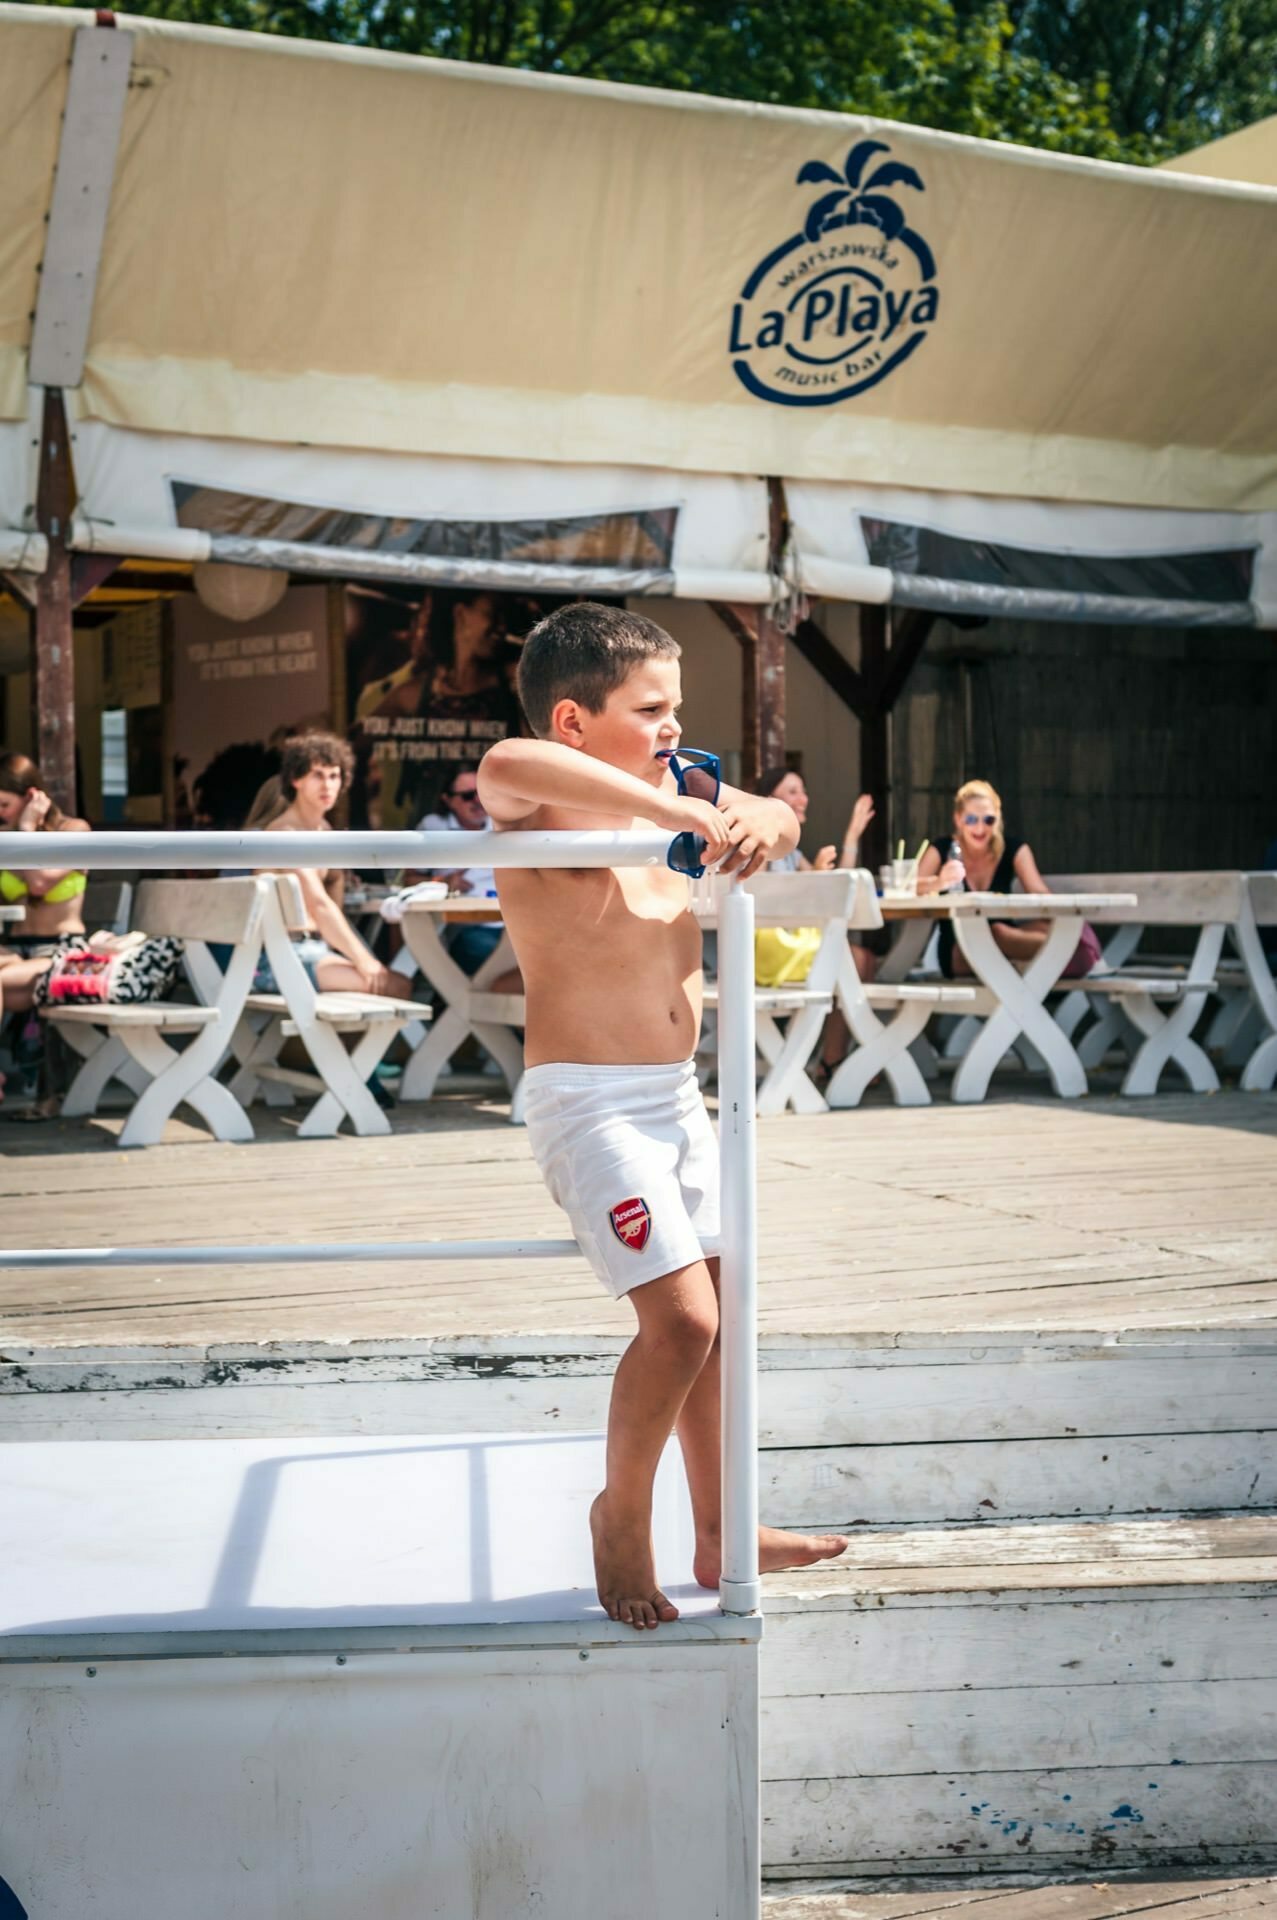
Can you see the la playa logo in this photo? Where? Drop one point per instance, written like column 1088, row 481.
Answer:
column 834, row 309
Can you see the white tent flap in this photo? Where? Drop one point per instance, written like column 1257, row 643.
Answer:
column 973, row 555
column 507, row 525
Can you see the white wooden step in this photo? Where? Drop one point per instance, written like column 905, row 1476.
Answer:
column 1020, row 1697
column 887, row 1433
column 1206, row 1898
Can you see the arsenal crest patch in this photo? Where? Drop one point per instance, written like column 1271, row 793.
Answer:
column 632, row 1223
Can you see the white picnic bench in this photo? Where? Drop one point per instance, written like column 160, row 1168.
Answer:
column 1260, row 1070
column 1008, row 1002
column 469, row 1008
column 1128, row 1000
column 133, row 1042
column 338, row 1081
column 838, row 902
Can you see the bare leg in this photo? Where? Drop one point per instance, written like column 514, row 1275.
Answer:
column 339, row 976
column 678, row 1322
column 699, row 1429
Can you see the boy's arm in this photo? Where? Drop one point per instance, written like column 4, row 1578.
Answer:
column 760, row 830
column 517, row 776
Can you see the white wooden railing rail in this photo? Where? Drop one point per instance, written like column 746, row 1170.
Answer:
column 739, row 1590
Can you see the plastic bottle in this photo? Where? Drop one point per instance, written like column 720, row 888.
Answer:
column 955, row 860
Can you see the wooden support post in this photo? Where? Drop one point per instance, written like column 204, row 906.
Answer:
column 875, row 736
column 771, row 638
column 762, row 659
column 52, row 650
column 739, row 623
column 771, row 692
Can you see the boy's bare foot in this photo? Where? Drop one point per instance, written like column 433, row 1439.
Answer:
column 776, row 1550
column 625, row 1574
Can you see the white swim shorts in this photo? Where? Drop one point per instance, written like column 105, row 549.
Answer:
column 631, row 1157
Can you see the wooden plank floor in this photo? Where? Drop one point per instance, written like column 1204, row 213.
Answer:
column 1238, row 1898
column 1025, row 1214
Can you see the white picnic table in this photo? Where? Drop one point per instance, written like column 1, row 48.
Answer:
column 469, row 1007
column 1016, row 1008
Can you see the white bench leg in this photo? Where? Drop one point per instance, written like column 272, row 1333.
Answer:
column 445, row 1035
column 926, row 1059
column 786, row 1084
column 961, row 1035
column 1021, row 1008
column 179, row 1078
column 1111, row 1029
column 1167, row 1040
column 1233, row 1011
column 258, row 1041
column 1072, row 1011
column 101, row 1064
column 1261, row 1069
column 503, row 1044
column 887, row 1051
column 345, row 1076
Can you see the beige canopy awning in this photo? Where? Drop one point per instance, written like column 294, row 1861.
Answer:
column 310, row 245
column 1249, row 155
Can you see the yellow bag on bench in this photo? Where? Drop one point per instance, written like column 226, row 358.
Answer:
column 783, row 956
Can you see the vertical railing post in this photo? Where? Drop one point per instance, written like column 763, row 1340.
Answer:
column 739, row 1588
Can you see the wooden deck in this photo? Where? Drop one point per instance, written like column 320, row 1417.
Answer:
column 1238, row 1898
column 1024, row 1214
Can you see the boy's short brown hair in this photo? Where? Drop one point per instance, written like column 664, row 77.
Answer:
column 307, row 750
column 584, row 652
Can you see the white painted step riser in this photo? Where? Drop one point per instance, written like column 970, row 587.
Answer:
column 1208, row 1816
column 954, row 1433
column 830, row 1486
column 974, row 1642
column 947, row 1730
column 809, row 1397
column 848, row 1736
column 1012, row 1480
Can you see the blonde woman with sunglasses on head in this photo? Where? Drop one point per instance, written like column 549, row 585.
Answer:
column 978, row 856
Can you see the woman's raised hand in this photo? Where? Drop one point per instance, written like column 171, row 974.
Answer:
column 34, row 810
column 861, row 814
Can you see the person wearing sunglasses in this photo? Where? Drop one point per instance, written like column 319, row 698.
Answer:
column 612, row 964
column 979, row 857
column 460, row 810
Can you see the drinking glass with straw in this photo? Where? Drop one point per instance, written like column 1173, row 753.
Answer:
column 904, row 873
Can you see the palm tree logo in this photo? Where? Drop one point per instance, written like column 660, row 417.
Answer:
column 857, row 202
column 836, row 307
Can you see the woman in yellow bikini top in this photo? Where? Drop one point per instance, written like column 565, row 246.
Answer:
column 14, row 889
column 52, row 896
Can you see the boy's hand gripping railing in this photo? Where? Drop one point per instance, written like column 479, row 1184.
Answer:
column 739, row 1587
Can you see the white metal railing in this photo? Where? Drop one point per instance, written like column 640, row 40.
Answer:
column 739, row 1588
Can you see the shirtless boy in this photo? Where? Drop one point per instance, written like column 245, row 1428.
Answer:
column 612, row 966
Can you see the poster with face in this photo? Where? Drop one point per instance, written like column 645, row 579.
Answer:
column 240, row 688
column 431, row 681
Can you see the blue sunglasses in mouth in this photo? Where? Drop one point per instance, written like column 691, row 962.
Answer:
column 698, row 775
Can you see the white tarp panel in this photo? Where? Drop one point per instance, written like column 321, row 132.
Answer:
column 972, row 554
column 309, row 243
column 498, row 523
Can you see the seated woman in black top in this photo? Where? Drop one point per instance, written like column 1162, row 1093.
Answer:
column 990, row 863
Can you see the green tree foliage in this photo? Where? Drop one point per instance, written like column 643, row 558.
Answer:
column 1114, row 79
column 1178, row 72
